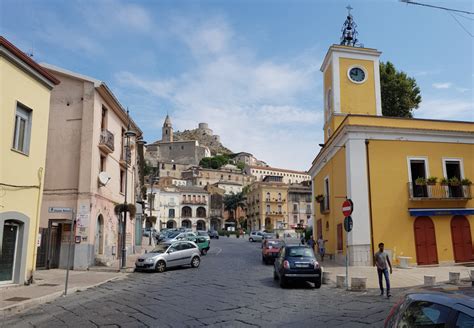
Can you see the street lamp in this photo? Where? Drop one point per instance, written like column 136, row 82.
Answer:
column 128, row 134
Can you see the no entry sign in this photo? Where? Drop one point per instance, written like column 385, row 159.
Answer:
column 347, row 207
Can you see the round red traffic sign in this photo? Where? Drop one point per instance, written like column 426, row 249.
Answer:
column 347, row 207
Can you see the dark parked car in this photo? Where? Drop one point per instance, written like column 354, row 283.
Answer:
column 213, row 234
column 297, row 262
column 433, row 309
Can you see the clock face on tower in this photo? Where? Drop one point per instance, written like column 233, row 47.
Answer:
column 357, row 74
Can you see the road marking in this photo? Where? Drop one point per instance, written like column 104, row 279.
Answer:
column 220, row 250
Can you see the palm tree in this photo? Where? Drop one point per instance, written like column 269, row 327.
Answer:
column 232, row 202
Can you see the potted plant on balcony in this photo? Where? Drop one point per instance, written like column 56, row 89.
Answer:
column 454, row 181
column 431, row 181
column 319, row 198
column 444, row 181
column 466, row 187
column 420, row 181
column 466, row 182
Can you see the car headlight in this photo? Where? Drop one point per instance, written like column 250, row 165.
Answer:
column 150, row 260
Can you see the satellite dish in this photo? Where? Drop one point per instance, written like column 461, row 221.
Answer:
column 103, row 178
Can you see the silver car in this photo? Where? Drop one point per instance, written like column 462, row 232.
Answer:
column 162, row 256
column 256, row 236
column 177, row 236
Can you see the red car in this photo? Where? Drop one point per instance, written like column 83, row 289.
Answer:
column 270, row 249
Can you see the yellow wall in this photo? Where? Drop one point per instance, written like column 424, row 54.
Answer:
column 336, row 170
column 16, row 168
column 392, row 223
column 357, row 98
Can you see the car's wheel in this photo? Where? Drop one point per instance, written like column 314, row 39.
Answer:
column 317, row 283
column 250, row 239
column 195, row 262
column 275, row 276
column 217, row 237
column 160, row 266
column 204, row 251
column 282, row 282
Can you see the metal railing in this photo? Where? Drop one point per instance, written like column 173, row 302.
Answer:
column 107, row 139
column 197, row 202
column 437, row 192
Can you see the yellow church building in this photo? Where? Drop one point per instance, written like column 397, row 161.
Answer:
column 25, row 89
column 383, row 164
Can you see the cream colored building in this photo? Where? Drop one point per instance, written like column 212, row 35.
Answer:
column 199, row 176
column 87, row 129
column 299, row 204
column 288, row 176
column 25, row 90
column 267, row 205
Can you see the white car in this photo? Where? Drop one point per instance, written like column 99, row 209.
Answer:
column 162, row 256
column 256, row 236
column 177, row 236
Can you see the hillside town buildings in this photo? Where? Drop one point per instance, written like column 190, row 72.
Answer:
column 288, row 176
column 25, row 111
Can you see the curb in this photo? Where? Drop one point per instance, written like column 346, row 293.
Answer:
column 28, row 304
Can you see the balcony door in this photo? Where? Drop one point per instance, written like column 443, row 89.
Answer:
column 453, row 169
column 418, row 169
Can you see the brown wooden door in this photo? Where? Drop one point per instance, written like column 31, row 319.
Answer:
column 462, row 241
column 320, row 229
column 425, row 240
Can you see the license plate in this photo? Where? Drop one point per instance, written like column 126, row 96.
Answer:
column 299, row 265
column 139, row 264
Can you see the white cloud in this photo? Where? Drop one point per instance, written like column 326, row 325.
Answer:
column 446, row 109
column 444, row 85
column 256, row 105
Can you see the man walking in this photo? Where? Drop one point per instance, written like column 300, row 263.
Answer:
column 311, row 242
column 321, row 247
column 381, row 259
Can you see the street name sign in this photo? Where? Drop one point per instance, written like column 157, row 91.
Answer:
column 59, row 210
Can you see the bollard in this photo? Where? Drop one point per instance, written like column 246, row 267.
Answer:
column 341, row 281
column 326, row 277
column 430, row 281
column 359, row 284
column 454, row 278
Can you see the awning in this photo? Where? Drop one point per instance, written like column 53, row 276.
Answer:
column 440, row 211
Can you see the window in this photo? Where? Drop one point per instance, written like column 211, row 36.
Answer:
column 268, row 196
column 308, row 208
column 279, row 196
column 162, row 166
column 22, row 132
column 230, row 177
column 464, row 321
column 174, row 167
column 328, row 102
column 452, row 168
column 279, row 209
column 171, row 213
column 122, row 181
column 182, row 147
column 418, row 169
column 102, row 163
column 295, row 208
column 268, row 209
column 103, row 121
column 295, row 218
column 327, row 194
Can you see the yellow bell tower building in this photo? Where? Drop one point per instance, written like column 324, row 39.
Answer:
column 351, row 84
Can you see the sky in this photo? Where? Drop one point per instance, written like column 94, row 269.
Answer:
column 249, row 68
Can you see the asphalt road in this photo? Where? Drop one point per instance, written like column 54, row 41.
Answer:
column 231, row 288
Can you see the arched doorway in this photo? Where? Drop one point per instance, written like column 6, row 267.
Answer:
column 186, row 224
column 171, row 224
column 201, row 225
column 268, row 224
column 462, row 241
column 425, row 241
column 99, row 235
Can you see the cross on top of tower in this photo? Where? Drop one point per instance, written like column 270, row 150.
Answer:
column 349, row 32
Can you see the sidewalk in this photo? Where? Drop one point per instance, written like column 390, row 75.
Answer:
column 49, row 284
column 401, row 278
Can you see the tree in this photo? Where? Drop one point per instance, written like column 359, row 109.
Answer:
column 214, row 162
column 400, row 93
column 232, row 202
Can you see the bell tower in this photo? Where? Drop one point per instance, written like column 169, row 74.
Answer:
column 351, row 79
column 167, row 130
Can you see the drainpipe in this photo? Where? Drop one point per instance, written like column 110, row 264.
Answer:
column 38, row 209
column 370, row 199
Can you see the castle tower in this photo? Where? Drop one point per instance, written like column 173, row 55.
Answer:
column 167, row 131
column 351, row 79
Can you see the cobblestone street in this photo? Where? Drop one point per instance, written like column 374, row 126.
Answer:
column 231, row 288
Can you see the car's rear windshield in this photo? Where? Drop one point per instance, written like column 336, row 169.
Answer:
column 202, row 233
column 274, row 243
column 300, row 252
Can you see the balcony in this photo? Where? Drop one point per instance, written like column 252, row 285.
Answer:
column 106, row 142
column 438, row 192
column 193, row 202
column 274, row 200
column 324, row 205
column 125, row 157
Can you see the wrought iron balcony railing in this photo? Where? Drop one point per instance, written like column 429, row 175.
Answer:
column 106, row 142
column 438, row 192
